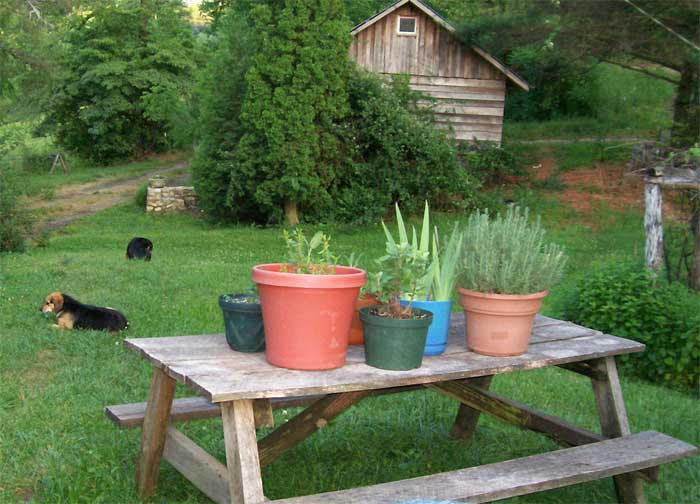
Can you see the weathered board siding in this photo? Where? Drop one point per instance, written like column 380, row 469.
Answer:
column 470, row 92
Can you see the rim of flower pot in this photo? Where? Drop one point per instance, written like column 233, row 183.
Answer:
column 488, row 295
column 238, row 306
column 366, row 316
column 344, row 277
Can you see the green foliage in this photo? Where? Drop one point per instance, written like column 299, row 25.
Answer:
column 396, row 156
column 141, row 196
column 127, row 67
column 488, row 162
column 15, row 222
column 560, row 86
column 445, row 265
column 295, row 102
column 622, row 299
column 508, row 255
column 308, row 256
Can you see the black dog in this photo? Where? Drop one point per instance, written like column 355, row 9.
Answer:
column 72, row 314
column 139, row 248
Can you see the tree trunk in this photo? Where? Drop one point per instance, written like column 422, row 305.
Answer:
column 290, row 213
column 686, row 108
column 694, row 273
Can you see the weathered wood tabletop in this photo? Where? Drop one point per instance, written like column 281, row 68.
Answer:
column 209, row 366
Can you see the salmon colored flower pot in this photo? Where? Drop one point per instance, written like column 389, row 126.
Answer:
column 356, row 329
column 307, row 317
column 499, row 324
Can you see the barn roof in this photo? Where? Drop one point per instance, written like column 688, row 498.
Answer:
column 446, row 25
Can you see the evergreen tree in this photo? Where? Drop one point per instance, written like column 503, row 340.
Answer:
column 295, row 101
column 126, row 67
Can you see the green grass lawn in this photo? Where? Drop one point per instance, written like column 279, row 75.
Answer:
column 56, row 445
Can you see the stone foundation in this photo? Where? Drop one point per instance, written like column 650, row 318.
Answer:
column 168, row 199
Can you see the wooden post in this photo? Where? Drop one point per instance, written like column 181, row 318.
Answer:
column 614, row 423
column 155, row 424
column 467, row 417
column 653, row 227
column 245, row 481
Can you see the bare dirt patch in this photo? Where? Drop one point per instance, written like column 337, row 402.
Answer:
column 76, row 201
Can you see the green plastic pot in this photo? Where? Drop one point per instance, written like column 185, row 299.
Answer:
column 244, row 324
column 395, row 344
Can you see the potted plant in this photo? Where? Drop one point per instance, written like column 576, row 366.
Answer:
column 438, row 285
column 505, row 271
column 395, row 333
column 307, row 304
column 243, row 321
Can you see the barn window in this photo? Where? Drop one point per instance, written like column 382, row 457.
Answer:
column 407, row 25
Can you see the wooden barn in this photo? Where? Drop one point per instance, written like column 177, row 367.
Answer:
column 408, row 37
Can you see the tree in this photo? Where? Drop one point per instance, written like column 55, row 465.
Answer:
column 656, row 37
column 125, row 70
column 295, row 102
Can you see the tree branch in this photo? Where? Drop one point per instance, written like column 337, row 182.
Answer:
column 694, row 46
column 642, row 70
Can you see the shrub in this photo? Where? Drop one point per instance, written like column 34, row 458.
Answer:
column 488, row 162
column 141, row 196
column 508, row 255
column 15, row 222
column 623, row 300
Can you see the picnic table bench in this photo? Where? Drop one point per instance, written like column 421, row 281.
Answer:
column 243, row 389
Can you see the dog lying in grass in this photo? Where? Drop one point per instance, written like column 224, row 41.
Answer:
column 72, row 314
column 139, row 248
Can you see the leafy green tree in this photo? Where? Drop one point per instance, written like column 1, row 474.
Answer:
column 294, row 105
column 222, row 89
column 127, row 66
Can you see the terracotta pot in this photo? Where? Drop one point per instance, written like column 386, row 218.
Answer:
column 499, row 324
column 307, row 317
column 356, row 329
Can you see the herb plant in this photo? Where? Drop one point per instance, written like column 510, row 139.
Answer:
column 507, row 254
column 308, row 256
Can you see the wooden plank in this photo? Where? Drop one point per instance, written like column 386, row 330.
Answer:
column 477, row 93
column 160, row 398
column 304, row 424
column 203, row 470
column 470, row 128
column 453, row 108
column 478, row 398
column 429, row 80
column 468, row 119
column 468, row 417
column 614, row 423
column 481, row 137
column 456, row 96
column 243, row 465
column 520, row 476
column 584, row 368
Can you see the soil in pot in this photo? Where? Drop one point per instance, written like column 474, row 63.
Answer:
column 243, row 322
column 499, row 324
column 395, row 344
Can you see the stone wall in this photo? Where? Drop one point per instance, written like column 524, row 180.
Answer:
column 168, row 199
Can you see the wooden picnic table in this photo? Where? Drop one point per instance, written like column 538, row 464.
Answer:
column 243, row 388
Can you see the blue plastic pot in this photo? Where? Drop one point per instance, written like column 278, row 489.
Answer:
column 439, row 328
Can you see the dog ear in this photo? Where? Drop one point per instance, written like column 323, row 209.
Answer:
column 57, row 300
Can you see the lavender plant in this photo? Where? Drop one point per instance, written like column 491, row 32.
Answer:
column 507, row 254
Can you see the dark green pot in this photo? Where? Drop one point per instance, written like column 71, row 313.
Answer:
column 244, row 324
column 395, row 344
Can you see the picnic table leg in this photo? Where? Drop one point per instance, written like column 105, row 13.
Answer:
column 614, row 422
column 242, row 460
column 467, row 417
column 155, row 424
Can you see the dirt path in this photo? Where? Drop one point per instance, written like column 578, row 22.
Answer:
column 76, row 201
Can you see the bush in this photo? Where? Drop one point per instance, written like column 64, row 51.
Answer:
column 396, row 156
column 488, row 162
column 623, row 300
column 15, row 222
column 141, row 197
